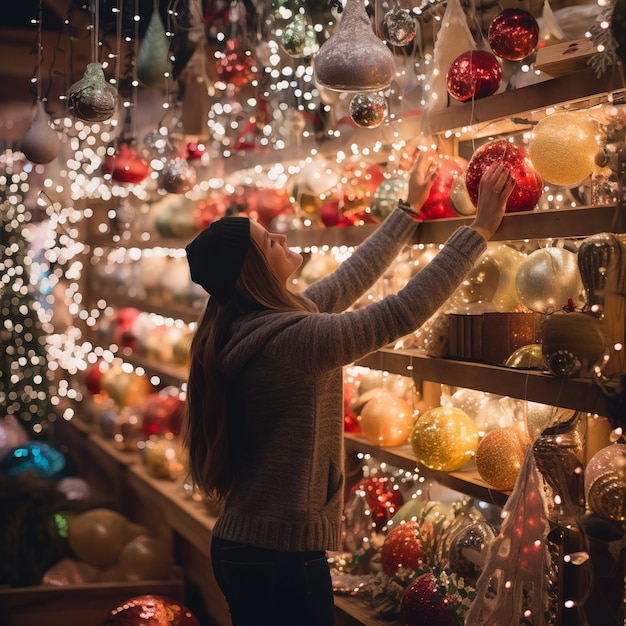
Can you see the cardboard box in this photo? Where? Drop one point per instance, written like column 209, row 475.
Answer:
column 76, row 605
column 564, row 58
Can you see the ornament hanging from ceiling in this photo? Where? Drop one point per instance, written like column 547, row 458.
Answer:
column 178, row 176
column 513, row 34
column 153, row 64
column 368, row 110
column 91, row 98
column 126, row 165
column 399, row 26
column 299, row 39
column 353, row 58
column 40, row 143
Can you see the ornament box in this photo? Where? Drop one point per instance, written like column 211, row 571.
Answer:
column 76, row 605
column 565, row 58
column 491, row 337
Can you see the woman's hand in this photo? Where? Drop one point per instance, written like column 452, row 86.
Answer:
column 494, row 189
column 421, row 179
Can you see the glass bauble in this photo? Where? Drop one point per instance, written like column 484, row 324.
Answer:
column 444, row 438
column 424, row 604
column 605, row 482
column 386, row 420
column 513, row 34
column 178, row 176
column 562, row 148
column 149, row 610
column 299, row 39
column 402, row 548
column 574, row 344
column 473, row 75
column 98, row 535
column 528, row 183
column 499, row 457
column 163, row 458
column 126, row 166
column 470, row 401
column 368, row 110
column 438, row 204
column 528, row 357
column 468, row 549
column 386, row 196
column 548, row 278
column 38, row 457
column 399, row 26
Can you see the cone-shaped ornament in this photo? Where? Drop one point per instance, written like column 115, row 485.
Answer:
column 40, row 143
column 354, row 58
column 153, row 65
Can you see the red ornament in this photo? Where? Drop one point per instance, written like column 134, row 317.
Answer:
column 528, row 183
column 237, row 65
column 194, row 151
column 162, row 414
column 124, row 320
column 424, row 604
column 474, row 74
column 126, row 166
column 402, row 548
column 382, row 499
column 151, row 610
column 513, row 34
column 93, row 377
column 438, row 204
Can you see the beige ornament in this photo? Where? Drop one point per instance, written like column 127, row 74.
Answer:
column 354, row 58
column 40, row 143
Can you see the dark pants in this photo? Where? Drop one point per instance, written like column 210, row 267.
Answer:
column 273, row 588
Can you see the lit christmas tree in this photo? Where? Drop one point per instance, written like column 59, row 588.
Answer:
column 24, row 374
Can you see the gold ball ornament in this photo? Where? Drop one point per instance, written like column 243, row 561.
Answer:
column 562, row 148
column 444, row 438
column 605, row 482
column 528, row 357
column 386, row 420
column 500, row 456
column 163, row 458
column 125, row 388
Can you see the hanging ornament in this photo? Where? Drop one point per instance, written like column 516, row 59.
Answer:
column 40, row 143
column 513, row 34
column 528, row 183
column 512, row 585
column 126, row 166
column 236, row 65
column 155, row 145
column 178, row 176
column 353, row 58
column 299, row 39
column 368, row 110
column 473, row 75
column 605, row 482
column 399, row 26
column 562, row 148
column 153, row 64
column 91, row 98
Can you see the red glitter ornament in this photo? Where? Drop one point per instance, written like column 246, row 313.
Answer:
column 382, row 499
column 513, row 34
column 151, row 610
column 424, row 604
column 93, row 376
column 528, row 184
column 237, row 65
column 402, row 548
column 126, row 166
column 438, row 204
column 474, row 74
column 162, row 414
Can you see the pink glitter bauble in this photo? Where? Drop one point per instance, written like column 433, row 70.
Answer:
column 474, row 74
column 528, row 183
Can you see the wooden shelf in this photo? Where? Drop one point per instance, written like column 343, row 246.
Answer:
column 533, row 385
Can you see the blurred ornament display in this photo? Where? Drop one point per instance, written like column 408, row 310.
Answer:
column 368, row 110
column 513, row 34
column 150, row 610
column 92, row 98
column 40, row 458
column 473, row 75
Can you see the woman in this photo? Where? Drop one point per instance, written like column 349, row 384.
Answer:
column 265, row 413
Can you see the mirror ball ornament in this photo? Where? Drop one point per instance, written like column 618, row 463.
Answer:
column 444, row 438
column 513, row 34
column 562, row 148
column 402, row 548
column 368, row 110
column 605, row 482
column 149, row 610
column 91, row 98
column 399, row 27
column 528, row 183
column 424, row 604
column 474, row 74
column 548, row 278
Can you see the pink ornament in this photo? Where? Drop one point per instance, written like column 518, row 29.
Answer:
column 513, row 34
column 474, row 74
column 438, row 204
column 528, row 183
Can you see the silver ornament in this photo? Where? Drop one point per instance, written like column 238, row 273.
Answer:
column 399, row 27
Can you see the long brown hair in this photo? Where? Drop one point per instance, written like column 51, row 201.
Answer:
column 205, row 428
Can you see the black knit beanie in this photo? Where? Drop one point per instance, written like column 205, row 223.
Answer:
column 216, row 256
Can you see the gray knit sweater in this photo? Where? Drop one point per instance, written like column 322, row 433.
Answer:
column 286, row 388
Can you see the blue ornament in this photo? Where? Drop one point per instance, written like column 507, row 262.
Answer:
column 41, row 458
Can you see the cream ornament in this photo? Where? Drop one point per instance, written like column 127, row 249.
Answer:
column 354, row 58
column 41, row 143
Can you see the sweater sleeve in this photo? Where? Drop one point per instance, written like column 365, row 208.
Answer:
column 326, row 341
column 336, row 292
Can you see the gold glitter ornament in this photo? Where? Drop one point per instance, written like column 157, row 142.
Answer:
column 368, row 110
column 499, row 457
column 605, row 482
column 444, row 438
column 353, row 58
column 562, row 148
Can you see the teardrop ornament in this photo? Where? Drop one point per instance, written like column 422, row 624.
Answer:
column 40, row 143
column 153, row 66
column 91, row 98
